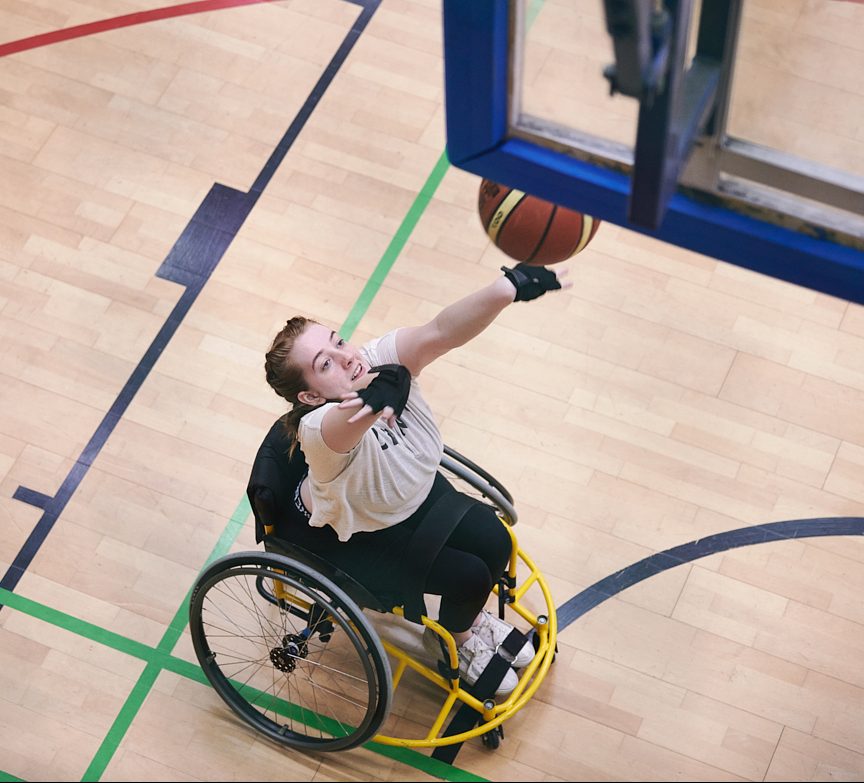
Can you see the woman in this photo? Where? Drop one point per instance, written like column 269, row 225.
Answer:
column 373, row 449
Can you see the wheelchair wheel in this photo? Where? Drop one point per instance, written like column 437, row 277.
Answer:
column 307, row 671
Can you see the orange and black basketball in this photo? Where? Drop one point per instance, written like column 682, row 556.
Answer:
column 530, row 229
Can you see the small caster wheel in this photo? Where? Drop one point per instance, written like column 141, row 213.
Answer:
column 492, row 739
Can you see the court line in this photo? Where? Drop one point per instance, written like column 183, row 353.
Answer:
column 147, row 678
column 770, row 532
column 125, row 20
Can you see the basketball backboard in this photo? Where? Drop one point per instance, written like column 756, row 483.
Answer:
column 719, row 126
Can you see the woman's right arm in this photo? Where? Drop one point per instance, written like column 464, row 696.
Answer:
column 463, row 320
column 381, row 394
column 340, row 434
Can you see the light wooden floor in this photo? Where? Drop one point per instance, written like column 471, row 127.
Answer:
column 665, row 398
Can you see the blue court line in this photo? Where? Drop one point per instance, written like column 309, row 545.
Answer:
column 710, row 545
column 190, row 262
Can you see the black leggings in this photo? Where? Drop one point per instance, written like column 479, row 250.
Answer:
column 468, row 567
column 463, row 574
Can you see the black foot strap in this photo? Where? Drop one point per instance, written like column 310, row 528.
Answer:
column 466, row 717
column 514, row 642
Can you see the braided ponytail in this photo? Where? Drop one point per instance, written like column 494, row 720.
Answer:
column 285, row 377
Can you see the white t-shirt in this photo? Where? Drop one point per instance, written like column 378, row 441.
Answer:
column 387, row 475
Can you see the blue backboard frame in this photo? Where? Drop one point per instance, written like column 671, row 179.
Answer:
column 477, row 72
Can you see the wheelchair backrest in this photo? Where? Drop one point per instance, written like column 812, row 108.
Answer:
column 273, row 480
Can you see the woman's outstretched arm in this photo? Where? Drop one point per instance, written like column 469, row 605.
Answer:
column 463, row 320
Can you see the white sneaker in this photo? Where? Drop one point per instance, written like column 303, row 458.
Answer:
column 474, row 657
column 494, row 631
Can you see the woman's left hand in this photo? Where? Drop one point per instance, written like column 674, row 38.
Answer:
column 531, row 281
column 386, row 395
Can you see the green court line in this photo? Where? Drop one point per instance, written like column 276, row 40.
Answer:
column 121, row 724
column 145, row 682
column 95, row 633
column 159, row 659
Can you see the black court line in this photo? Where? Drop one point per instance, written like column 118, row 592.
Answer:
column 710, row 545
column 190, row 262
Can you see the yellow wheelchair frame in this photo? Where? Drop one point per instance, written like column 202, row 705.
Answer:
column 263, row 628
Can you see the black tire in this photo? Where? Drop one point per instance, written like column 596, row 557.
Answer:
column 264, row 590
column 308, row 672
column 492, row 739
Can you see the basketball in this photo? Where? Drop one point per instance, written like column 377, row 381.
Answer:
column 532, row 230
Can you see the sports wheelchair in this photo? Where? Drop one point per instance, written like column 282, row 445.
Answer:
column 309, row 657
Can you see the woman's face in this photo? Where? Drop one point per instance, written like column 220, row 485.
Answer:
column 330, row 365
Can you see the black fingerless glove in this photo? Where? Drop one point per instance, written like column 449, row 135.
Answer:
column 390, row 387
column 531, row 281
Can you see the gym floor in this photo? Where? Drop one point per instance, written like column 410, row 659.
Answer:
column 178, row 179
